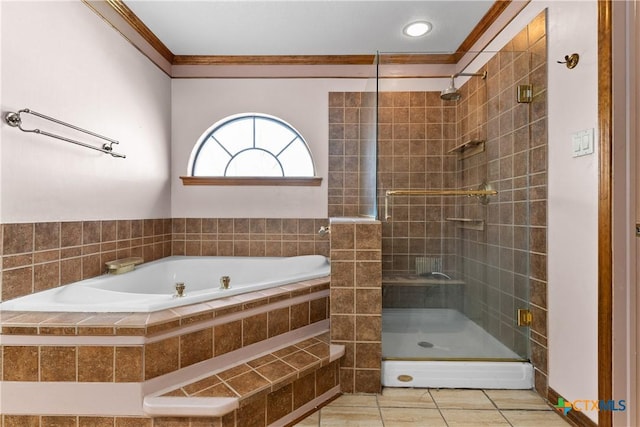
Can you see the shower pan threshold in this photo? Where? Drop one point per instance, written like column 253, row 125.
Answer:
column 442, row 348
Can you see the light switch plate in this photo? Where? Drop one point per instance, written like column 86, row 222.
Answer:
column 582, row 143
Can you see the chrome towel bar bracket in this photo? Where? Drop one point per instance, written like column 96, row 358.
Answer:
column 14, row 120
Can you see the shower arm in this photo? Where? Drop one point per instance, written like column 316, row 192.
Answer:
column 482, row 193
column 483, row 75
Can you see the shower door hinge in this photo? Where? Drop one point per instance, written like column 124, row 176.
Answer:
column 524, row 317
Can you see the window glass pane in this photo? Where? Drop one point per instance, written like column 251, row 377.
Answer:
column 252, row 145
column 236, row 136
column 296, row 160
column 272, row 135
column 211, row 160
column 254, row 163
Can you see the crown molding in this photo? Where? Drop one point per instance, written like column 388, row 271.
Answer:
column 119, row 16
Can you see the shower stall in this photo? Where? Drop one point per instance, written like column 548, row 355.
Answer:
column 453, row 186
column 453, row 163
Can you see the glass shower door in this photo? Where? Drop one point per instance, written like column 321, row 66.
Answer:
column 455, row 263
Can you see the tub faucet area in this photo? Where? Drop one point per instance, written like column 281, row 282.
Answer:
column 123, row 265
column 324, row 230
column 225, row 282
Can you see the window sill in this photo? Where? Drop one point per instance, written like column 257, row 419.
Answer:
column 301, row 181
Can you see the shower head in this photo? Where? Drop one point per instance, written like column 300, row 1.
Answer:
column 452, row 93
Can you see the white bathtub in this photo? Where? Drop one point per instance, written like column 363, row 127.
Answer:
column 151, row 286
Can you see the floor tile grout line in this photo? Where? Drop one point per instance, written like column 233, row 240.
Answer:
column 484, row 391
column 379, row 409
column 495, row 405
column 437, row 406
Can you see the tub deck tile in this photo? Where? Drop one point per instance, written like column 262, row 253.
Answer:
column 103, row 319
column 193, row 313
column 29, row 318
column 135, row 320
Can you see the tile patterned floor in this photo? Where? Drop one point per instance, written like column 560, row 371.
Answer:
column 405, row 407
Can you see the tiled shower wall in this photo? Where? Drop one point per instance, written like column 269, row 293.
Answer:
column 352, row 152
column 39, row 256
column 416, row 132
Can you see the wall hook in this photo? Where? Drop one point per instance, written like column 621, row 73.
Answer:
column 570, row 60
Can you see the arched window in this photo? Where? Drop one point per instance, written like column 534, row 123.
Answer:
column 251, row 145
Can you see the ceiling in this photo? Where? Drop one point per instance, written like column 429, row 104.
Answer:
column 307, row 27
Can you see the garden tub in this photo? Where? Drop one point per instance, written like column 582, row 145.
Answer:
column 152, row 286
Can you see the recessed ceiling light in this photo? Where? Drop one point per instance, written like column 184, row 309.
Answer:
column 417, row 29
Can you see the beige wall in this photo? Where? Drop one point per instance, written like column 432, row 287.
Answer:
column 62, row 60
column 199, row 103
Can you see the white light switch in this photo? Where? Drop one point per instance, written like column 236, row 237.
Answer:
column 582, row 143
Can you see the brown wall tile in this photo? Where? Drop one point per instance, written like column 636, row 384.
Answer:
column 70, row 234
column 17, row 238
column 95, row 421
column 161, row 357
column 367, row 381
column 95, row 364
column 128, row 364
column 368, row 355
column 254, row 329
column 279, row 403
column 21, row 421
column 16, row 283
column 20, row 363
column 318, row 310
column 304, row 390
column 343, row 300
column 253, row 414
column 58, row 421
column 369, row 328
column 196, row 347
column 299, row 315
column 342, row 273
column 227, row 337
column 342, row 328
column 46, row 276
column 278, row 322
column 47, row 235
column 368, row 274
column 58, row 363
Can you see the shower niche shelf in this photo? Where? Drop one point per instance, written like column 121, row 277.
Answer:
column 468, row 149
column 468, row 223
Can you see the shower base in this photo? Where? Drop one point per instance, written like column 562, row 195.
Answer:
column 415, row 342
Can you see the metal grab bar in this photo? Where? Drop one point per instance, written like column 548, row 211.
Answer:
column 14, row 120
column 483, row 192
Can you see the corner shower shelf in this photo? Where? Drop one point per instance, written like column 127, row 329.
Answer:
column 468, row 149
column 468, row 223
